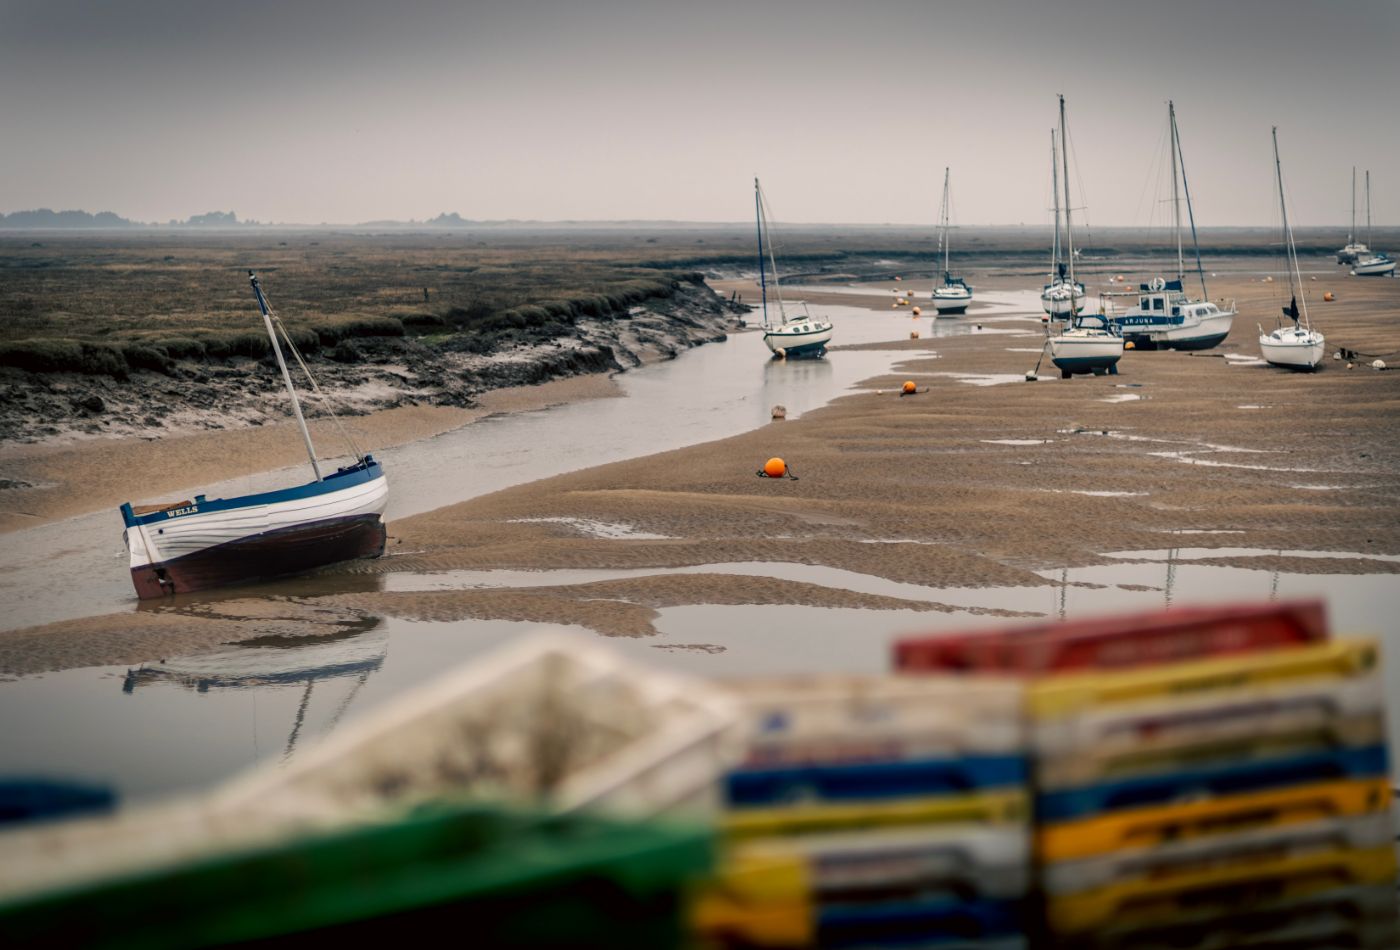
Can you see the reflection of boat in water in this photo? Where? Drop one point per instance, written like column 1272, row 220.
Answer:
column 201, row 543
column 790, row 337
column 352, row 654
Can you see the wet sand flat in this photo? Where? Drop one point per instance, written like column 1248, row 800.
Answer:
column 959, row 486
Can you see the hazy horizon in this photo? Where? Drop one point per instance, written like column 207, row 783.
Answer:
column 349, row 113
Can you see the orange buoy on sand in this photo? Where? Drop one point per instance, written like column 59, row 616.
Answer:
column 909, row 387
column 917, row 311
column 774, row 468
column 1328, row 297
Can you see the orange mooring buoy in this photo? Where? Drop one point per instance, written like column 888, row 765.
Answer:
column 909, row 387
column 1328, row 297
column 775, row 468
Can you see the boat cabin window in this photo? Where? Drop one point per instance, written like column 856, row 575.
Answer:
column 1143, row 304
column 1158, row 303
column 1176, row 311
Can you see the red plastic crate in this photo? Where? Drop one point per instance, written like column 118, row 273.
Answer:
column 1119, row 641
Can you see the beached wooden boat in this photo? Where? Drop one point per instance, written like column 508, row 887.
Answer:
column 954, row 295
column 1298, row 346
column 182, row 546
column 788, row 337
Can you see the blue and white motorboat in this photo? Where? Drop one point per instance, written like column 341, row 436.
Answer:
column 789, row 337
column 1165, row 317
column 181, row 546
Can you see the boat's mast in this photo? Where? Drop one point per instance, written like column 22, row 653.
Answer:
column 768, row 231
column 762, row 267
column 1190, row 216
column 1351, row 235
column 1368, row 207
column 945, row 223
column 1069, row 226
column 1290, row 249
column 286, row 376
column 1176, row 194
column 1055, row 191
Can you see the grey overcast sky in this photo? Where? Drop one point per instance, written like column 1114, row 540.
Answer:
column 343, row 111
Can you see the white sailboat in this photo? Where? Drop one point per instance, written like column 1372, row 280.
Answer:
column 1165, row 317
column 1089, row 344
column 1298, row 346
column 954, row 295
column 1354, row 251
column 181, row 546
column 803, row 337
column 1061, row 298
column 1372, row 263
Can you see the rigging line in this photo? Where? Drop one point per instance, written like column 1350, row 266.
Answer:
column 1191, row 215
column 777, row 285
column 349, row 698
column 300, row 718
column 326, row 400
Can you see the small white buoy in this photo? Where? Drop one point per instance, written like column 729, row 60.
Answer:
column 1378, row 364
column 780, row 412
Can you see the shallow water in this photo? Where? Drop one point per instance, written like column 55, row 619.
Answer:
column 706, row 393
column 184, row 724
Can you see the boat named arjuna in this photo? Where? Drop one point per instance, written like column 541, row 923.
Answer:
column 183, row 546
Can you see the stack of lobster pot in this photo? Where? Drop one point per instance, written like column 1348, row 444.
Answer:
column 875, row 811
column 1207, row 778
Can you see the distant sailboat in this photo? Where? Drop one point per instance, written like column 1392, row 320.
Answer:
column 1165, row 317
column 953, row 297
column 789, row 337
column 1353, row 252
column 1062, row 298
column 1372, row 263
column 1298, row 346
column 1089, row 344
column 181, row 546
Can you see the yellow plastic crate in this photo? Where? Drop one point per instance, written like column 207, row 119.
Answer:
column 757, row 896
column 1150, row 899
column 1147, row 827
column 1206, row 744
column 1064, row 695
column 1000, row 806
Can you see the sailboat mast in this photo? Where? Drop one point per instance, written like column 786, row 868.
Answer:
column 1176, row 194
column 1190, row 216
column 1351, row 235
column 1290, row 249
column 286, row 376
column 1055, row 192
column 762, row 268
column 1069, row 227
column 1368, row 207
column 768, row 232
column 945, row 222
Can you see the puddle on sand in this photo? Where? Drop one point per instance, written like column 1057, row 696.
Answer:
column 990, row 379
column 1017, row 441
column 1122, row 397
column 201, row 719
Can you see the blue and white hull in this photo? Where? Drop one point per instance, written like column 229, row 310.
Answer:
column 1378, row 266
column 804, row 339
column 188, row 546
column 1165, row 319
